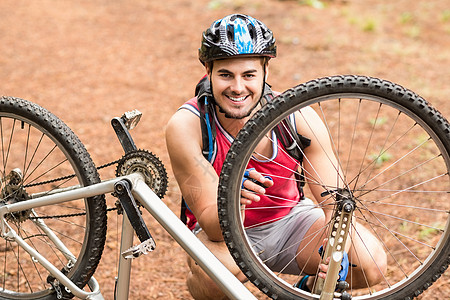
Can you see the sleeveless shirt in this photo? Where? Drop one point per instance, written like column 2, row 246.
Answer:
column 279, row 198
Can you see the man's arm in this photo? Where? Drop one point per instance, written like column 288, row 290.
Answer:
column 196, row 177
column 320, row 163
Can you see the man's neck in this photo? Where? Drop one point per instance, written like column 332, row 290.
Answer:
column 232, row 126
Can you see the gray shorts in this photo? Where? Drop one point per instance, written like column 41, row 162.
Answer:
column 278, row 242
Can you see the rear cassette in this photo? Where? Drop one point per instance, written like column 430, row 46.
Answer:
column 147, row 164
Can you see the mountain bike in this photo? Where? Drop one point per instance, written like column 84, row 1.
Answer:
column 392, row 164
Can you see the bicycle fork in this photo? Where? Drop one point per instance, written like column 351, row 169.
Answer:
column 335, row 248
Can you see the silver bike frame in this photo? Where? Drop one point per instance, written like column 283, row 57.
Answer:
column 230, row 285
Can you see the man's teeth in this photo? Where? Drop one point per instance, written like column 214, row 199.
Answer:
column 238, row 99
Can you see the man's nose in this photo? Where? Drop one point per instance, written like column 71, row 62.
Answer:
column 237, row 86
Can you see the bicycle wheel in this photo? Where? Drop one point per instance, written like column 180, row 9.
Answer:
column 36, row 148
column 392, row 155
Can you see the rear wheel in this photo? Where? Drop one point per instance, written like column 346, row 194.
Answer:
column 392, row 152
column 35, row 148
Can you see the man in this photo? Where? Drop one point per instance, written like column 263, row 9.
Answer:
column 235, row 52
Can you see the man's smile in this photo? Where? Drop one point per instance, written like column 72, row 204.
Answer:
column 237, row 99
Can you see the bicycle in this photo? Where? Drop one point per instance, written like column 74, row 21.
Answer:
column 393, row 162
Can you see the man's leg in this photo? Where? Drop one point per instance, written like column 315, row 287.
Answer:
column 367, row 254
column 199, row 284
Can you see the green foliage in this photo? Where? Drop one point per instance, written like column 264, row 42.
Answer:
column 366, row 24
column 378, row 121
column 445, row 15
column 380, row 158
column 215, row 4
column 406, row 18
column 313, row 3
column 221, row 4
column 422, row 138
column 414, row 32
column 428, row 232
column 370, row 25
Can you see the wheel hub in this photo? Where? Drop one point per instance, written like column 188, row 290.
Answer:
column 14, row 192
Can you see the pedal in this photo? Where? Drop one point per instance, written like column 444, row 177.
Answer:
column 143, row 248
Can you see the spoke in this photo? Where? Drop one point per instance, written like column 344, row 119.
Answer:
column 40, row 163
column 373, row 162
column 367, row 148
column 431, row 210
column 359, row 259
column 353, row 136
column 395, row 232
column 411, row 187
column 41, row 237
column 399, row 218
column 319, row 232
column 383, row 148
column 20, row 270
column 26, row 236
column 4, row 265
column 291, row 158
column 3, row 149
column 396, row 162
column 340, row 176
column 336, row 168
column 46, row 172
column 26, row 149
column 293, row 171
column 400, row 175
column 25, row 171
column 384, row 244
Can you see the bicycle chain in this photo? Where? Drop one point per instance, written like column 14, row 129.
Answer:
column 69, row 176
column 65, row 178
column 125, row 165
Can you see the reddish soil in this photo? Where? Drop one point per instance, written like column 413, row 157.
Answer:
column 87, row 61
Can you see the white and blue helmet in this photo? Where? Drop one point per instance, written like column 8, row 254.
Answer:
column 236, row 35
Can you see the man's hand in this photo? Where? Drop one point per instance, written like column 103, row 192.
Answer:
column 254, row 184
column 323, row 268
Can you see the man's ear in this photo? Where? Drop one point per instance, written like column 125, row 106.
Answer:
column 208, row 67
column 266, row 67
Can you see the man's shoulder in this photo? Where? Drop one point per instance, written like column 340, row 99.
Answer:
column 185, row 121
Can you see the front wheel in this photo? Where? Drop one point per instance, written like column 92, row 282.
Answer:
column 35, row 149
column 390, row 153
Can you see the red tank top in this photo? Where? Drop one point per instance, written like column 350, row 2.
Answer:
column 279, row 199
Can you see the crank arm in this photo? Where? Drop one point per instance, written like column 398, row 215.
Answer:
column 123, row 191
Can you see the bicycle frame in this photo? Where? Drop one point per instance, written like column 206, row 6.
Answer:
column 231, row 286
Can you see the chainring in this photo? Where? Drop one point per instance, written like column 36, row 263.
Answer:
column 149, row 165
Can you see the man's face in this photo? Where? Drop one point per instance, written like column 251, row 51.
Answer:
column 237, row 85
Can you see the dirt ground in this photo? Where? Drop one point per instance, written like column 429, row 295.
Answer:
column 87, row 61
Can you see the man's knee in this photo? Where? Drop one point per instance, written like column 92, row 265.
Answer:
column 200, row 284
column 377, row 270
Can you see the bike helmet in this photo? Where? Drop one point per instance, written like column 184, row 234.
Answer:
column 234, row 35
